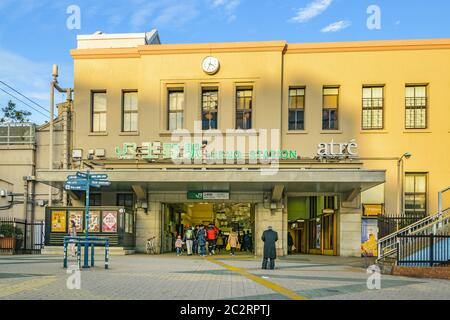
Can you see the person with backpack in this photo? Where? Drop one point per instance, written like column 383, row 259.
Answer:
column 247, row 242
column 211, row 237
column 189, row 240
column 195, row 245
column 201, row 237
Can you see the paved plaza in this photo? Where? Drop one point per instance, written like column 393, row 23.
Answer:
column 145, row 277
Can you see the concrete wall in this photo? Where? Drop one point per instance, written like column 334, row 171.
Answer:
column 349, row 228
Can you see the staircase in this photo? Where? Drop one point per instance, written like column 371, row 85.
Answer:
column 435, row 224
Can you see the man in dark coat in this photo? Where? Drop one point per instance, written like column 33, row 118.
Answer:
column 269, row 238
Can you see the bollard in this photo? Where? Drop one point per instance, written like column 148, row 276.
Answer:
column 86, row 254
column 107, row 254
column 65, row 254
column 79, row 254
column 92, row 254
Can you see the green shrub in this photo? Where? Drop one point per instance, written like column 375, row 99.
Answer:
column 7, row 230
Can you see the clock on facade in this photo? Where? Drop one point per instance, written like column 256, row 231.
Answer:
column 210, row 65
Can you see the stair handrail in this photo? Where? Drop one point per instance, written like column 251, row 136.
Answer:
column 390, row 240
column 388, row 245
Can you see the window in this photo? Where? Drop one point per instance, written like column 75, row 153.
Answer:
column 210, row 104
column 297, row 109
column 244, row 104
column 98, row 119
column 416, row 194
column 372, row 108
column 330, row 108
column 130, row 111
column 125, row 200
column 416, row 107
column 176, row 109
column 95, row 199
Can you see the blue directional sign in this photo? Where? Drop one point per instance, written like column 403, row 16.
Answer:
column 81, row 175
column 99, row 176
column 98, row 184
column 78, row 182
column 82, row 182
column 76, row 188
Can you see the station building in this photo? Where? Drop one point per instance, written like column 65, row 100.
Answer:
column 314, row 139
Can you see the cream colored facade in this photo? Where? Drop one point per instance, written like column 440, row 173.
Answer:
column 270, row 69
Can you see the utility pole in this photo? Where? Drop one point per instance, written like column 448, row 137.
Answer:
column 54, row 85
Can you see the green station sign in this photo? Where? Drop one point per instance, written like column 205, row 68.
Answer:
column 208, row 195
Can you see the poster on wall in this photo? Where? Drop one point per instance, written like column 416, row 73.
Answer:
column 109, row 221
column 94, row 221
column 77, row 217
column 369, row 237
column 318, row 235
column 59, row 221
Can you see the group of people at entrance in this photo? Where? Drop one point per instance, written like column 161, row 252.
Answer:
column 197, row 239
column 201, row 239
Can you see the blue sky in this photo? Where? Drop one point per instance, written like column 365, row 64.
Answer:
column 33, row 33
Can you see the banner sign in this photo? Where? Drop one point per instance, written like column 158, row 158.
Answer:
column 109, row 221
column 59, row 221
column 369, row 237
column 77, row 217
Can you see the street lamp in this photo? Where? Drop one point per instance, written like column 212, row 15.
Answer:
column 400, row 197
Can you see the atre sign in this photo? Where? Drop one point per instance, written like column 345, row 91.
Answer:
column 334, row 150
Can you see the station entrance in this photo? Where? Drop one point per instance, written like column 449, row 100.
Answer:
column 227, row 217
column 313, row 224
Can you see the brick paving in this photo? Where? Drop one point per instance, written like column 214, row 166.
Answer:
column 144, row 277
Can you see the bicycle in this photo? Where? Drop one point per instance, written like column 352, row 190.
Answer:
column 151, row 246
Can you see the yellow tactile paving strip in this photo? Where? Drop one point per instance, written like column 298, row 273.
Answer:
column 11, row 289
column 264, row 282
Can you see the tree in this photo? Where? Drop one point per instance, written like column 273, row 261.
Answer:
column 10, row 114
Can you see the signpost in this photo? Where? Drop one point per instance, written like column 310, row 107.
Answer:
column 83, row 182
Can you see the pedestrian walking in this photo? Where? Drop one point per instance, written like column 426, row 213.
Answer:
column 211, row 235
column 233, row 241
column 195, row 247
column 290, row 243
column 220, row 242
column 247, row 242
column 201, row 237
column 189, row 240
column 269, row 237
column 179, row 246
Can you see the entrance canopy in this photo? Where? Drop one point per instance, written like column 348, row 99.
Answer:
column 292, row 180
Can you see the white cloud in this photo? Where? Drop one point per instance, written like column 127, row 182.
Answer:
column 336, row 26
column 176, row 15
column 312, row 10
column 227, row 8
column 142, row 15
column 164, row 13
column 31, row 79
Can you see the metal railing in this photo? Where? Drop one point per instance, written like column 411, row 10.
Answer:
column 388, row 224
column 423, row 250
column 17, row 133
column 27, row 238
column 387, row 246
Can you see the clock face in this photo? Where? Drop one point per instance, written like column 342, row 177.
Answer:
column 210, row 65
